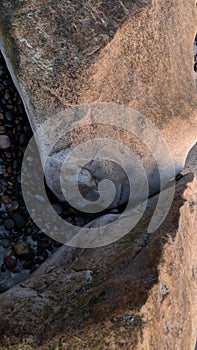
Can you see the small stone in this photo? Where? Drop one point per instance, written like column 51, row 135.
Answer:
column 6, row 95
column 19, row 220
column 5, row 174
column 45, row 254
column 19, row 179
column 44, row 245
column 3, row 268
column 4, row 142
column 4, row 216
column 10, row 170
column 13, row 206
column 15, row 270
column 1, row 116
column 8, row 154
column 39, row 260
column 21, row 139
column 2, row 129
column 28, row 265
column 10, row 262
column 15, row 164
column 22, row 249
column 5, row 199
column 29, row 231
column 5, row 243
column 9, row 224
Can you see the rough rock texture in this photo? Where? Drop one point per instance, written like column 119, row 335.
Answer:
column 126, row 52
column 139, row 293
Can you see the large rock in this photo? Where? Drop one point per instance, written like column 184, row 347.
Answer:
column 138, row 293
column 85, row 62
column 136, row 54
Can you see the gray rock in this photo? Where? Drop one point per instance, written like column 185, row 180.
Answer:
column 9, row 279
column 9, row 116
column 4, row 243
column 9, row 224
column 4, row 142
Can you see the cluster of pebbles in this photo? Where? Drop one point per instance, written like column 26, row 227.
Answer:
column 23, row 246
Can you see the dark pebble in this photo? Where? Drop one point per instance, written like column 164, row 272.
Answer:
column 13, row 206
column 9, row 116
column 10, row 262
column 2, row 129
column 35, row 236
column 38, row 260
column 39, row 250
column 45, row 254
column 21, row 139
column 4, row 216
column 19, row 220
column 19, row 179
column 3, row 268
column 5, row 243
column 8, row 155
column 57, row 208
column 28, row 265
column 80, row 221
column 15, row 164
column 29, row 231
column 9, row 224
column 44, row 245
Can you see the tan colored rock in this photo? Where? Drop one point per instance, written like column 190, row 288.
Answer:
column 139, row 292
column 137, row 54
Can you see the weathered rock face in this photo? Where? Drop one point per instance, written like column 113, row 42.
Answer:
column 64, row 54
column 138, row 293
column 80, row 62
